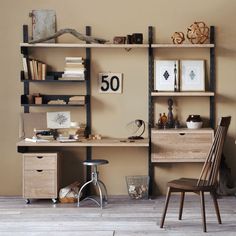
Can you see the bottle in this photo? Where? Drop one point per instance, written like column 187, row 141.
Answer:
column 164, row 120
column 159, row 122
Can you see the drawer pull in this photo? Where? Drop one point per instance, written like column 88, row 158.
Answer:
column 39, row 157
column 181, row 133
column 39, row 170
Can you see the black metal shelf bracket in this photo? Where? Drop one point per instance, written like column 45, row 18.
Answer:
column 150, row 105
column 212, row 77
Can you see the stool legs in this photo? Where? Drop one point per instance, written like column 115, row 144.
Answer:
column 105, row 190
column 98, row 183
column 80, row 191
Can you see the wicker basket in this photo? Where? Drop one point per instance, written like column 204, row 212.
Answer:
column 69, row 193
column 138, row 186
column 68, row 200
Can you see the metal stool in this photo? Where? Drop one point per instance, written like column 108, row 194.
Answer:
column 94, row 179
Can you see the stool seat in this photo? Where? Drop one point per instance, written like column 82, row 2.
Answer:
column 95, row 162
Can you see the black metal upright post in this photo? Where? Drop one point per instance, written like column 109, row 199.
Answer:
column 150, row 105
column 212, row 77
column 88, row 105
column 24, row 51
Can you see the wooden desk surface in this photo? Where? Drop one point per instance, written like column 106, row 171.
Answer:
column 108, row 142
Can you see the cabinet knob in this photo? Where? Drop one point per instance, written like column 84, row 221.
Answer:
column 39, row 157
column 39, row 170
column 181, row 133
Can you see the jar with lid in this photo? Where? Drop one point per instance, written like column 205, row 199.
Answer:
column 194, row 122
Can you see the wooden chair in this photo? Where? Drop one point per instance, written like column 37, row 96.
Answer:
column 207, row 181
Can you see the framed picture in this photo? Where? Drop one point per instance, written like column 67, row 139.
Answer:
column 192, row 75
column 57, row 120
column 166, row 75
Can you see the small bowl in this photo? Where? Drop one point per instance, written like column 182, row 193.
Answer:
column 194, row 125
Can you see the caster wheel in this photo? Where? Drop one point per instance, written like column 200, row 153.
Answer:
column 54, row 200
column 27, row 201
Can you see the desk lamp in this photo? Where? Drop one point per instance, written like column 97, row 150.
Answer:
column 138, row 126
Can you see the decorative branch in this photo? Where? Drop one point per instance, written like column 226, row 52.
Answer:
column 75, row 33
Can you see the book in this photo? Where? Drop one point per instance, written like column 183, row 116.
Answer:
column 74, row 65
column 74, row 69
column 44, row 71
column 25, row 68
column 39, row 66
column 35, row 69
column 71, row 78
column 73, row 73
column 74, row 58
column 34, row 140
column 31, row 69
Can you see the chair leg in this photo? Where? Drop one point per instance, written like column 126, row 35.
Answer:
column 213, row 194
column 203, row 210
column 181, row 205
column 166, row 206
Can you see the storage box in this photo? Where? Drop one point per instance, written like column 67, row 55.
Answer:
column 138, row 186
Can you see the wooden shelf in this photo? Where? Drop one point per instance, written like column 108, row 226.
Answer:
column 52, row 105
column 75, row 45
column 182, row 45
column 176, row 160
column 182, row 130
column 52, row 81
column 182, row 94
column 96, row 45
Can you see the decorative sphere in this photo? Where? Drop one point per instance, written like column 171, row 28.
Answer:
column 178, row 37
column 198, row 33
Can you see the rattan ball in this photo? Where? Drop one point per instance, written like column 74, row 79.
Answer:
column 198, row 33
column 178, row 37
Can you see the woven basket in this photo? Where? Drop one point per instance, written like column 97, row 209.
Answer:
column 68, row 200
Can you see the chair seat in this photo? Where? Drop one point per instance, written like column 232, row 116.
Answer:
column 95, row 162
column 188, row 184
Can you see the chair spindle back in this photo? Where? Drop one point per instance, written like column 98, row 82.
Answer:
column 211, row 166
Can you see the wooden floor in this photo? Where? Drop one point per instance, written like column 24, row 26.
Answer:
column 121, row 217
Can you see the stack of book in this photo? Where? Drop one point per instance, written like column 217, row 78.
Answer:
column 34, row 69
column 74, row 69
column 77, row 100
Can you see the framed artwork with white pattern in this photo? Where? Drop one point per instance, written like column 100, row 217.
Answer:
column 192, row 75
column 166, row 75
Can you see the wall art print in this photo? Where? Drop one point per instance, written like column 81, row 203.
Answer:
column 192, row 75
column 166, row 75
column 57, row 120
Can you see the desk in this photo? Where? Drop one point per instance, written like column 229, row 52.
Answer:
column 106, row 142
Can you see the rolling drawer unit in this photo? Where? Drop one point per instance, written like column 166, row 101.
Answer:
column 40, row 176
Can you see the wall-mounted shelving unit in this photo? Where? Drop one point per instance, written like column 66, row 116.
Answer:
column 162, row 144
column 153, row 134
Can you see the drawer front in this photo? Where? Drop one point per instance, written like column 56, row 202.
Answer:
column 40, row 184
column 40, row 161
column 180, row 147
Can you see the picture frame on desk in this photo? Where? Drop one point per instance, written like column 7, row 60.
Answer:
column 192, row 75
column 58, row 120
column 166, row 75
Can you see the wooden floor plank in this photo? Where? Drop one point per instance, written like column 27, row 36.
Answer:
column 121, row 217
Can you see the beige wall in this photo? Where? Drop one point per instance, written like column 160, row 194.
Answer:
column 111, row 113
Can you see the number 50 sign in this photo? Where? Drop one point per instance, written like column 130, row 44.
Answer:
column 110, row 82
